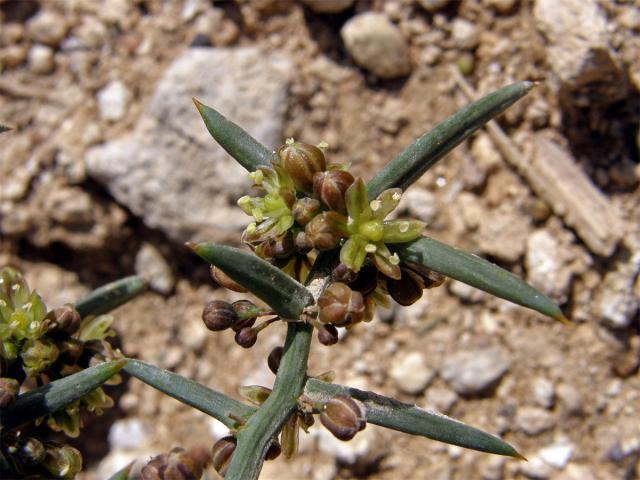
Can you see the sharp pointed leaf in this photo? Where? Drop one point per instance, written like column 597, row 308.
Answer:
column 111, row 296
column 287, row 297
column 477, row 272
column 215, row 404
column 56, row 395
column 396, row 415
column 416, row 159
column 237, row 142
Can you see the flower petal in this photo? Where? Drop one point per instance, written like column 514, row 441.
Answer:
column 356, row 199
column 353, row 252
column 400, row 231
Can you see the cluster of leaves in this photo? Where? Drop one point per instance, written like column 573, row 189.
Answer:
column 38, row 347
column 308, row 206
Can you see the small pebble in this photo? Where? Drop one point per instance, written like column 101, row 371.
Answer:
column 411, row 373
column 433, row 5
column 377, row 45
column 543, row 392
column 151, row 265
column 557, row 455
column 475, row 372
column 41, row 59
column 533, row 420
column 113, row 100
column 47, row 27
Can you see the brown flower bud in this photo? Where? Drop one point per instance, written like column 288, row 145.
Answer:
column 366, row 281
column 341, row 306
column 320, row 233
column 304, row 209
column 301, row 242
column 62, row 461
column 280, row 247
column 222, row 451
column 70, row 349
column 328, row 335
column 218, row 315
column 64, row 319
column 9, row 388
column 247, row 313
column 344, row 417
column 32, row 451
column 274, row 358
column 330, row 187
column 430, row 278
column 408, row 289
column 225, row 281
column 342, row 273
column 301, row 161
column 274, row 450
column 246, row 337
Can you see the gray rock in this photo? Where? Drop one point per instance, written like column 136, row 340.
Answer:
column 411, row 373
column 420, row 203
column 571, row 397
column 441, row 399
column 543, row 392
column 618, row 295
column 151, row 265
column 433, row 5
column 464, row 33
column 475, row 372
column 41, row 59
column 170, row 171
column 328, row 6
column 534, row 420
column 47, row 27
column 129, row 434
column 113, row 100
column 377, row 45
column 557, row 454
column 536, row 469
column 503, row 233
column 579, row 52
column 547, row 265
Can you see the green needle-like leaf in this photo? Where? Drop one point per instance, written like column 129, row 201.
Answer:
column 477, row 272
column 56, row 395
column 287, row 297
column 416, row 159
column 396, row 415
column 122, row 474
column 248, row 151
column 219, row 406
column 111, row 296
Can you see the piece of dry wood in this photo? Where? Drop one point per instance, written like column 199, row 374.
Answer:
column 553, row 174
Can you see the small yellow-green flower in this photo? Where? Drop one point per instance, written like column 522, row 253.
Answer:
column 272, row 212
column 368, row 232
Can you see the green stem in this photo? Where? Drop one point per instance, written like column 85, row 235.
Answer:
column 263, row 426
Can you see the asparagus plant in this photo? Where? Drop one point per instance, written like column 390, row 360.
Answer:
column 321, row 255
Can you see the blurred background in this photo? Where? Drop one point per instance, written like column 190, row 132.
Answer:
column 108, row 170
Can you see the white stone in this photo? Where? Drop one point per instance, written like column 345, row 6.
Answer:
column 441, row 399
column 377, row 45
column 411, row 373
column 617, row 297
column 543, row 392
column 41, row 59
column 113, row 100
column 464, row 33
column 169, row 171
column 47, row 27
column 547, row 265
column 536, row 469
column 476, row 371
column 128, row 434
column 557, row 455
column 420, row 203
column 534, row 420
column 151, row 265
